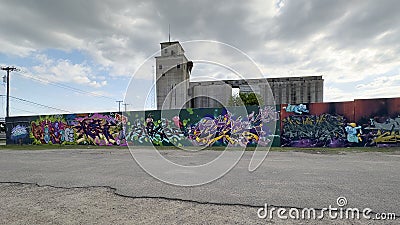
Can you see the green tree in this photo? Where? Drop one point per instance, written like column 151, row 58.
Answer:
column 246, row 99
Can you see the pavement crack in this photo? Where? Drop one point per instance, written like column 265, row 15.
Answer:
column 115, row 192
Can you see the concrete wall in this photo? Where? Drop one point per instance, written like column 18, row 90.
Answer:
column 286, row 90
column 212, row 94
column 296, row 90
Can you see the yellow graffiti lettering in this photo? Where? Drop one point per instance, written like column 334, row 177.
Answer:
column 307, row 121
column 389, row 137
column 250, row 135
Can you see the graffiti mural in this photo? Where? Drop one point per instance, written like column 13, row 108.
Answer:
column 232, row 130
column 313, row 131
column 159, row 133
column 298, row 109
column 48, row 130
column 188, row 127
column 389, row 124
column 353, row 133
column 372, row 122
column 385, row 133
column 88, row 129
column 204, row 127
column 19, row 132
column 99, row 129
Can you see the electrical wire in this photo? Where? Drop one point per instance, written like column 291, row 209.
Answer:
column 38, row 104
column 45, row 81
column 23, row 110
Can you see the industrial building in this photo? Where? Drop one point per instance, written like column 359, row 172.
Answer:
column 175, row 91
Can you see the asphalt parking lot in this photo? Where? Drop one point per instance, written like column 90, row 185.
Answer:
column 107, row 185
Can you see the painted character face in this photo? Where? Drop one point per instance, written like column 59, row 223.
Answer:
column 176, row 120
column 69, row 135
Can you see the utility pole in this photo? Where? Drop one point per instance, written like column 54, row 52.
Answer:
column 125, row 104
column 119, row 105
column 169, row 33
column 8, row 69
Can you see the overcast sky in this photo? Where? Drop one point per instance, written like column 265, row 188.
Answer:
column 74, row 47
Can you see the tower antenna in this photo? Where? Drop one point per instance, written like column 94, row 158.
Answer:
column 169, row 32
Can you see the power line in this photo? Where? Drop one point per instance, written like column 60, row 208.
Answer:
column 45, row 81
column 23, row 110
column 38, row 104
column 35, row 103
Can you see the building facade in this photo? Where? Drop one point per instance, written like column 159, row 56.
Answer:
column 175, row 91
column 172, row 77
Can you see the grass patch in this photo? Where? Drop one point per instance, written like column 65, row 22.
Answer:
column 52, row 147
column 337, row 150
column 213, row 148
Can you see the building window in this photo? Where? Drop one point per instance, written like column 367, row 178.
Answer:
column 160, row 67
column 279, row 97
column 166, row 51
column 287, row 93
column 293, row 93
column 178, row 66
column 301, row 92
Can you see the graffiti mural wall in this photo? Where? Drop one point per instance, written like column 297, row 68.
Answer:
column 88, row 129
column 253, row 126
column 380, row 120
column 204, row 127
column 19, row 133
column 372, row 122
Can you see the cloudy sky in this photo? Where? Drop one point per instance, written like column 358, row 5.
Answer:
column 79, row 56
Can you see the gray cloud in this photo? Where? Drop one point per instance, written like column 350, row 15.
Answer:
column 299, row 20
column 347, row 22
column 367, row 21
column 308, row 37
